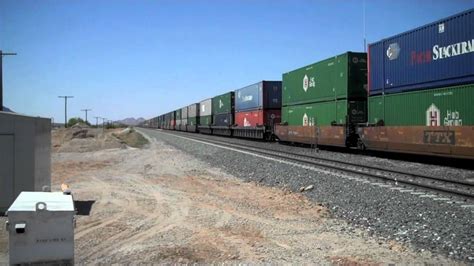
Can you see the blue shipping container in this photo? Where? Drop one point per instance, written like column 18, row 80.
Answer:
column 223, row 120
column 439, row 54
column 262, row 95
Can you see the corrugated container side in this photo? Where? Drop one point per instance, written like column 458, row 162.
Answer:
column 271, row 94
column 261, row 95
column 339, row 77
column 193, row 121
column 178, row 114
column 205, row 107
column 184, row 112
column 325, row 113
column 205, row 120
column 249, row 97
column 439, row 54
column 223, row 120
column 223, row 104
column 450, row 106
column 193, row 110
column 262, row 117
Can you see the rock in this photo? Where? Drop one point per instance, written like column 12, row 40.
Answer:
column 302, row 189
column 310, row 187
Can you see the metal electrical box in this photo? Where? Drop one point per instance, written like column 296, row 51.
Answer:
column 25, row 156
column 41, row 229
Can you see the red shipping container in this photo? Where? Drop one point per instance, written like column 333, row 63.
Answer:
column 257, row 118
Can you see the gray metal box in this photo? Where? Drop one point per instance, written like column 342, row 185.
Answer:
column 25, row 156
column 41, row 228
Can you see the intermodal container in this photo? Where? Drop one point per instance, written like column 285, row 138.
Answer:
column 184, row 112
column 193, row 121
column 439, row 54
column 205, row 120
column 261, row 95
column 450, row 106
column 223, row 104
column 193, row 110
column 223, row 120
column 173, row 120
column 205, row 107
column 325, row 113
column 255, row 118
column 339, row 77
column 177, row 114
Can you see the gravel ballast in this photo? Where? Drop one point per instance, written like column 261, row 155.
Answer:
column 422, row 223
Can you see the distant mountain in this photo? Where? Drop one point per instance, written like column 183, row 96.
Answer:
column 131, row 121
column 6, row 109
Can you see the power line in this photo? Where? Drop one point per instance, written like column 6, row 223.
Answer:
column 1, row 77
column 65, row 108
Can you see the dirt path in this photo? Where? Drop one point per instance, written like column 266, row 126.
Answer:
column 161, row 205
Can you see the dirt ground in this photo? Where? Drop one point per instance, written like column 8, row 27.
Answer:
column 160, row 205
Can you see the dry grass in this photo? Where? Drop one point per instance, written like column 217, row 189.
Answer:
column 132, row 138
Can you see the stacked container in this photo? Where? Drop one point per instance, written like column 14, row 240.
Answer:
column 421, row 89
column 178, row 119
column 193, row 117
column 328, row 93
column 223, row 113
column 257, row 107
column 205, row 116
column 184, row 119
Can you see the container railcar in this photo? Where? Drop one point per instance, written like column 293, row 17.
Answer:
column 421, row 87
column 323, row 102
column 257, row 110
column 193, row 118
column 205, row 116
column 223, row 107
column 436, row 122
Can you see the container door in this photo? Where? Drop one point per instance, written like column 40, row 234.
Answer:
column 7, row 155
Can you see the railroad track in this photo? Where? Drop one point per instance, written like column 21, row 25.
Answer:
column 461, row 188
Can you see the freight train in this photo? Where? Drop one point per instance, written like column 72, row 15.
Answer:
column 411, row 93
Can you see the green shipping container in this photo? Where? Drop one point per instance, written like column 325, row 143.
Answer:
column 178, row 114
column 340, row 77
column 193, row 121
column 205, row 120
column 451, row 106
column 325, row 113
column 223, row 104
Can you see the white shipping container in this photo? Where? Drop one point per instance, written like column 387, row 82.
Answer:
column 41, row 228
column 184, row 112
column 205, row 107
column 193, row 110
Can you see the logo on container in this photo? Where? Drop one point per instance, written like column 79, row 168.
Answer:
column 246, row 122
column 247, row 98
column 393, row 51
column 432, row 116
column 442, row 52
column 220, row 103
column 308, row 82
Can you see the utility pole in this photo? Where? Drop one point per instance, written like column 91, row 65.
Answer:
column 65, row 108
column 86, row 110
column 96, row 121
column 103, row 121
column 1, row 77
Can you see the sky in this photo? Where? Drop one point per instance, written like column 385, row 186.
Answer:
column 142, row 58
